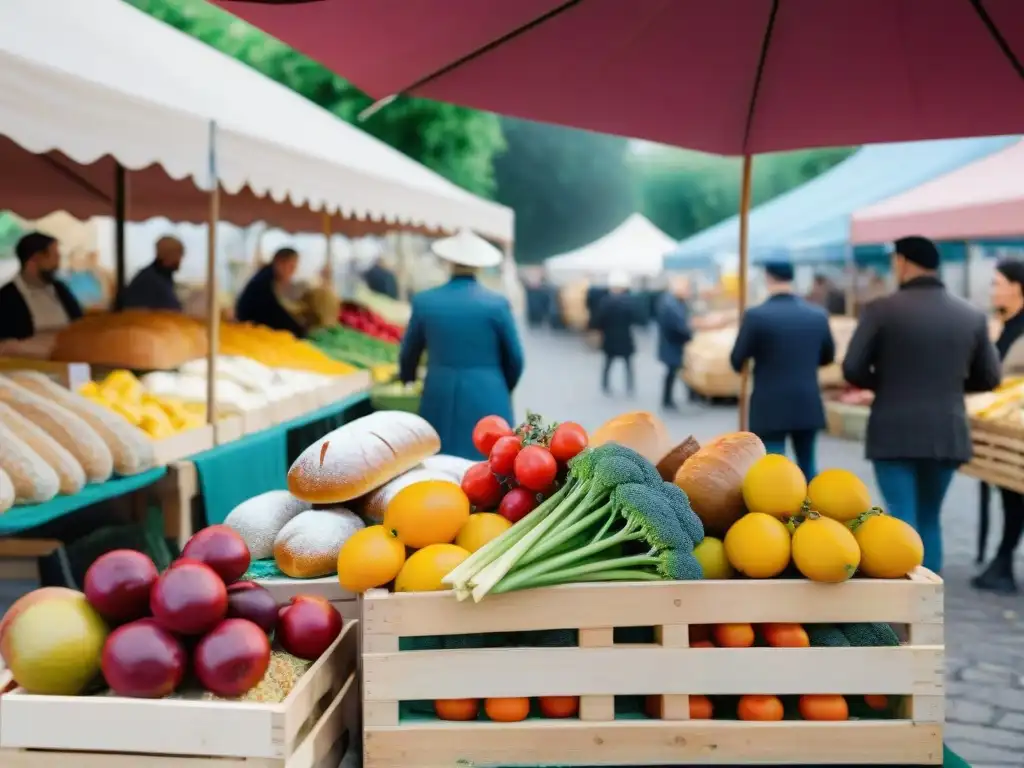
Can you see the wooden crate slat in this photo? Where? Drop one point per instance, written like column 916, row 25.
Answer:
column 704, row 742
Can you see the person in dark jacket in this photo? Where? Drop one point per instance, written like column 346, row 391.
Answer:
column 380, row 279
column 153, row 286
column 474, row 357
column 614, row 318
column 920, row 351
column 673, row 317
column 36, row 301
column 1008, row 301
column 259, row 302
column 787, row 339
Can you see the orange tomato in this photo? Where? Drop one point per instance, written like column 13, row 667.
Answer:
column 877, row 702
column 510, row 710
column 702, row 644
column 699, row 632
column 733, row 635
column 457, row 709
column 785, row 636
column 700, row 707
column 559, row 706
column 759, row 707
column 823, row 707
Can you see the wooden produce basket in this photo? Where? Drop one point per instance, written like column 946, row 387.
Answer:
column 306, row 730
column 284, row 589
column 998, row 454
column 849, row 422
column 598, row 671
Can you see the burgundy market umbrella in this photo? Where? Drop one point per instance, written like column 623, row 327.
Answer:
column 733, row 77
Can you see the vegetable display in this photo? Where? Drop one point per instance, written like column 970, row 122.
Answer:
column 354, row 347
column 365, row 320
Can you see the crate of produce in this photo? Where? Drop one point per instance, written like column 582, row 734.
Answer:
column 903, row 681
column 846, row 421
column 310, row 728
column 284, row 589
column 998, row 454
column 397, row 397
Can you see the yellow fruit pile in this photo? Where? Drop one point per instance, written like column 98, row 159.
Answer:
column 158, row 417
column 826, row 530
column 277, row 349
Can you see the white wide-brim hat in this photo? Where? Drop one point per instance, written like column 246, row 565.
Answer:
column 619, row 279
column 467, row 250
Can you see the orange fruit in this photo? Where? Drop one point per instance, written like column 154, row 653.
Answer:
column 370, row 558
column 785, row 636
column 733, row 635
column 559, row 706
column 877, row 702
column 428, row 512
column 702, row 644
column 425, row 568
column 457, row 709
column 758, row 707
column 823, row 707
column 479, row 529
column 507, row 710
column 700, row 707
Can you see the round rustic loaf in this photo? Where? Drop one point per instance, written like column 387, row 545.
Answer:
column 713, row 479
column 308, row 545
column 258, row 520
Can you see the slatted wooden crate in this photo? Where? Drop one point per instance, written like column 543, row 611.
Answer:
column 307, row 730
column 598, row 671
column 284, row 589
column 998, row 454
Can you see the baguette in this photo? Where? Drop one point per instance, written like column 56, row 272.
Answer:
column 361, row 456
column 34, row 480
column 131, row 449
column 6, row 492
column 69, row 471
column 71, row 432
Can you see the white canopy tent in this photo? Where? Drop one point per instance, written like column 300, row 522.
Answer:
column 636, row 247
column 85, row 86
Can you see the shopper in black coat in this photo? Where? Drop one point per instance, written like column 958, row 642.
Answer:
column 615, row 317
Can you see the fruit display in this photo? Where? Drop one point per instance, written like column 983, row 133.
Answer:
column 355, row 347
column 277, row 349
column 159, row 417
column 365, row 320
column 1003, row 406
column 140, row 632
column 390, row 310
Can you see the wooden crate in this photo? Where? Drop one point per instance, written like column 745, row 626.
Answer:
column 998, row 454
column 307, row 730
column 598, row 670
column 184, row 444
column 284, row 589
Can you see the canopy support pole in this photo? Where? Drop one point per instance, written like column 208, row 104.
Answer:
column 744, row 270
column 212, row 288
column 328, row 234
column 120, row 215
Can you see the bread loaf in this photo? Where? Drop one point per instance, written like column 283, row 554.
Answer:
column 363, row 455
column 258, row 520
column 136, row 340
column 713, row 479
column 644, row 432
column 130, row 448
column 307, row 547
column 456, row 466
column 34, row 481
column 69, row 471
column 674, row 459
column 77, row 437
column 373, row 505
column 6, row 492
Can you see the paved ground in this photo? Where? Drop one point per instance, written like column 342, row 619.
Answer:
column 984, row 634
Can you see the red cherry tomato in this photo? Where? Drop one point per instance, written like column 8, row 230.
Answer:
column 481, row 486
column 503, row 455
column 487, row 431
column 535, row 468
column 517, row 504
column 568, row 440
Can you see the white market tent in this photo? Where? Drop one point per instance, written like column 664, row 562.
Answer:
column 85, row 86
column 636, row 247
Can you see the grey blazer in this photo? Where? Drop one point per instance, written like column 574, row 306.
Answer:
column 920, row 351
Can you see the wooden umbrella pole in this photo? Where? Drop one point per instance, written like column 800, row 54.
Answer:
column 328, row 233
column 744, row 271
column 212, row 288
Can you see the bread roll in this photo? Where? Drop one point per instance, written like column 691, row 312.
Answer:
column 713, row 479
column 308, row 545
column 373, row 505
column 34, row 480
column 6, row 492
column 456, row 466
column 69, row 471
column 258, row 520
column 363, row 455
column 644, row 432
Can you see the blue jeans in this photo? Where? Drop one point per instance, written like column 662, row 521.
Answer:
column 913, row 491
column 804, row 441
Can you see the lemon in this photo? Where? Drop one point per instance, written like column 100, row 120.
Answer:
column 825, row 550
column 889, row 548
column 758, row 545
column 479, row 529
column 776, row 486
column 426, row 567
column 839, row 494
column 710, row 553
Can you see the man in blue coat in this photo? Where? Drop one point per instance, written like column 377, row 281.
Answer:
column 673, row 316
column 153, row 286
column 786, row 339
column 474, row 357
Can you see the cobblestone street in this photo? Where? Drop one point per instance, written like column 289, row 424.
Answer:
column 984, row 634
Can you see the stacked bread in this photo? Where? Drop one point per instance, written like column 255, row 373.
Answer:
column 136, row 340
column 55, row 441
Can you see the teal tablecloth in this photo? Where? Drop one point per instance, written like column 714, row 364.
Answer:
column 231, row 473
column 23, row 518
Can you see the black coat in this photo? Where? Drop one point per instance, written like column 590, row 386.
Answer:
column 151, row 288
column 787, row 339
column 258, row 304
column 920, row 351
column 15, row 318
column 381, row 280
column 614, row 318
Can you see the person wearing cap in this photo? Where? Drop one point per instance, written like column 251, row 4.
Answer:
column 786, row 339
column 920, row 350
column 1008, row 302
column 260, row 301
column 153, row 286
column 673, row 318
column 474, row 357
column 614, row 318
column 36, row 301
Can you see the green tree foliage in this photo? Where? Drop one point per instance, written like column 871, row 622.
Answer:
column 456, row 142
column 567, row 187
